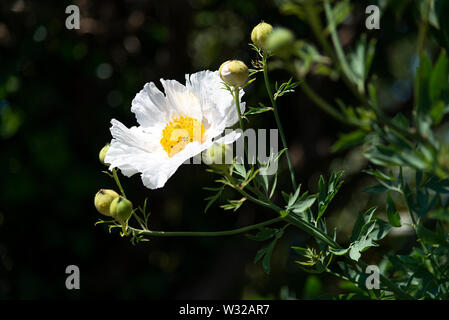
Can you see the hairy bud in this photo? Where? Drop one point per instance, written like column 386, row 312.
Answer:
column 234, row 73
column 260, row 34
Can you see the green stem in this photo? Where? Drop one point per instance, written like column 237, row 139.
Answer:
column 236, row 95
column 326, row 107
column 117, row 181
column 336, row 42
column 278, row 120
column 152, row 233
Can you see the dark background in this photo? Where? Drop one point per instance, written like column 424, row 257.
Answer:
column 60, row 88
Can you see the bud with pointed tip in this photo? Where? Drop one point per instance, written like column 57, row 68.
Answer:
column 121, row 210
column 103, row 200
column 102, row 154
column 260, row 34
column 234, row 73
column 280, row 42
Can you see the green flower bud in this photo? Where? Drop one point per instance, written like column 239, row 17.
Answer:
column 102, row 154
column 103, row 200
column 280, row 42
column 215, row 156
column 234, row 73
column 121, row 210
column 260, row 34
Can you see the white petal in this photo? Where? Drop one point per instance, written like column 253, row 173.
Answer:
column 217, row 103
column 150, row 106
column 160, row 170
column 131, row 149
column 181, row 101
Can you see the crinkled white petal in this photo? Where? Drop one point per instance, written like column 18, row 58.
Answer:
column 150, row 106
column 181, row 101
column 217, row 103
column 131, row 148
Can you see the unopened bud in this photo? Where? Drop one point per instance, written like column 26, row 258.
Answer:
column 103, row 200
column 121, row 210
column 234, row 73
column 280, row 42
column 260, row 34
column 102, row 154
column 216, row 156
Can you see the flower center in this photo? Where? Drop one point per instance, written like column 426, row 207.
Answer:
column 179, row 132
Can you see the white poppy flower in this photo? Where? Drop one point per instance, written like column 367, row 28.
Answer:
column 172, row 127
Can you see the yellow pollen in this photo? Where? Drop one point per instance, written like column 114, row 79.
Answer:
column 179, row 132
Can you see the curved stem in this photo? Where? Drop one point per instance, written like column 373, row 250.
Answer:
column 152, row 233
column 278, row 120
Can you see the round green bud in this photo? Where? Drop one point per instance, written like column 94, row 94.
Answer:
column 103, row 200
column 102, row 154
column 260, row 34
column 234, row 73
column 281, row 42
column 215, row 156
column 121, row 209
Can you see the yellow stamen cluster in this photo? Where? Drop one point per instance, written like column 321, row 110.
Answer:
column 179, row 132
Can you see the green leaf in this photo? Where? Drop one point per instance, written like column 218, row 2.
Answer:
column 265, row 253
column 359, row 246
column 439, row 78
column 263, row 234
column 211, row 200
column 380, row 230
column 257, row 110
column 283, row 213
column 325, row 196
column 349, row 140
column 392, row 213
column 362, row 219
column 240, row 169
column 303, row 204
column 292, row 199
column 428, row 236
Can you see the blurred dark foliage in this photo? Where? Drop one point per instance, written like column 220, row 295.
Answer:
column 59, row 88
